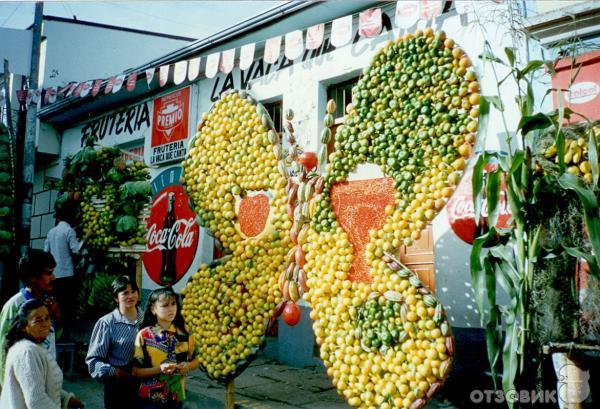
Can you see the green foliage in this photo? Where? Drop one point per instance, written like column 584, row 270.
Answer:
column 517, row 254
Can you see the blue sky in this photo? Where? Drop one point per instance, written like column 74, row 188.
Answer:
column 196, row 19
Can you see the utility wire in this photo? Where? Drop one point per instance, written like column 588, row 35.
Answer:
column 150, row 15
column 11, row 14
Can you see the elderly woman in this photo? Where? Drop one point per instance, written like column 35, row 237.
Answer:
column 32, row 378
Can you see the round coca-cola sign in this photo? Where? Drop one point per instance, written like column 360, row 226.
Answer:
column 461, row 210
column 173, row 232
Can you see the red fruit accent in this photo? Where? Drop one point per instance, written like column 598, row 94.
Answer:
column 308, row 160
column 253, row 214
column 291, row 313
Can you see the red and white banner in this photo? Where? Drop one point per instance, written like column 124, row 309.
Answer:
column 294, row 44
column 163, row 75
column 315, row 36
column 131, row 80
column 170, row 126
column 149, row 75
column 272, row 49
column 212, row 65
column 179, row 72
column 369, row 22
column 193, row 68
column 87, row 87
column 430, row 9
column 407, row 13
column 341, row 31
column 118, row 83
column 109, row 86
column 50, row 96
column 227, row 60
column 36, row 95
column 77, row 89
column 96, row 87
column 247, row 56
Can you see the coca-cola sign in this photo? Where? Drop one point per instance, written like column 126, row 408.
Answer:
column 173, row 232
column 461, row 210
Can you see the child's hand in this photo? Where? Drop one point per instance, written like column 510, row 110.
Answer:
column 168, row 368
column 183, row 368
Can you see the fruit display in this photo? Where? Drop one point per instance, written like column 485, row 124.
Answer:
column 383, row 336
column 7, row 193
column 110, row 196
column 231, row 176
column 576, row 157
column 300, row 168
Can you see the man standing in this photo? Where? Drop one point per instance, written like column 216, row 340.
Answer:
column 37, row 274
column 62, row 244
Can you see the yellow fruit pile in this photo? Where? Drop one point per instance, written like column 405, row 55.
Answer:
column 576, row 158
column 414, row 114
column 227, row 306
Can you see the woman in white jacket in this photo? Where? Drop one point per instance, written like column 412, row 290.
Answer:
column 32, row 378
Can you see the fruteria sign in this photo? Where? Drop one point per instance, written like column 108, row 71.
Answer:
column 170, row 127
column 173, row 233
column 581, row 94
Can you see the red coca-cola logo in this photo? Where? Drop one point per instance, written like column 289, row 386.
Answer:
column 461, row 209
column 176, row 232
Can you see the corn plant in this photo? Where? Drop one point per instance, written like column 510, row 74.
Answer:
column 510, row 261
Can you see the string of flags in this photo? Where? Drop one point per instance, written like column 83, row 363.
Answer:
column 370, row 24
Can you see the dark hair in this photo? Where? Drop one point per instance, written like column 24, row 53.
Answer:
column 150, row 318
column 15, row 333
column 34, row 264
column 120, row 284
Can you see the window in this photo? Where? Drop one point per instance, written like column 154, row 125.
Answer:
column 275, row 112
column 341, row 93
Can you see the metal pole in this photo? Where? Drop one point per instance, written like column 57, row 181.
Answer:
column 30, row 136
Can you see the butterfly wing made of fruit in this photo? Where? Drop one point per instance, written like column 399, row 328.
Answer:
column 383, row 336
column 231, row 176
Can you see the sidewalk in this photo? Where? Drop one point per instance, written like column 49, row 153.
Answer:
column 265, row 384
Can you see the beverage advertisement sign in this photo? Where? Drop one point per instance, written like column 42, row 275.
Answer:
column 173, row 233
column 170, row 126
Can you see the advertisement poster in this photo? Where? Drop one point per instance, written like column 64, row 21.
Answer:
column 174, row 239
column 170, row 127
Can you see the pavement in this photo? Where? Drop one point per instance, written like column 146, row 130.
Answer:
column 265, row 384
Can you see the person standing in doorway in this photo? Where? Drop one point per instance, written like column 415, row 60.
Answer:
column 62, row 243
column 112, row 344
column 36, row 272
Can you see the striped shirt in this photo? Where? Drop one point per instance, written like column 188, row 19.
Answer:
column 112, row 344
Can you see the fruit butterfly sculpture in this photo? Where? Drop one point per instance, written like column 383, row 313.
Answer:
column 231, row 176
column 383, row 336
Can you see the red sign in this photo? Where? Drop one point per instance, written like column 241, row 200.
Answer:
column 170, row 126
column 461, row 209
column 582, row 94
column 172, row 237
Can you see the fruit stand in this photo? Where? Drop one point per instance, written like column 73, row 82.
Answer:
column 107, row 199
